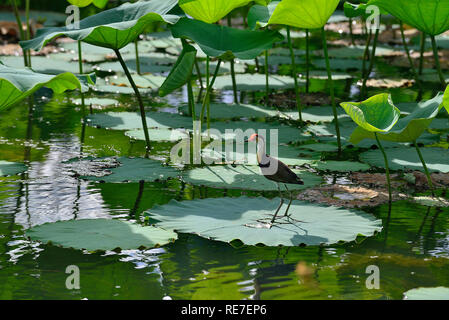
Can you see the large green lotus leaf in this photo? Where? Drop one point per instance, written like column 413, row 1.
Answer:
column 246, row 219
column 181, row 72
column 210, row 11
column 259, row 15
column 242, row 177
column 123, row 170
column 233, row 111
column 404, row 158
column 376, row 114
column 446, row 99
column 11, row 168
column 407, row 129
column 255, row 82
column 131, row 120
column 100, row 3
column 114, row 28
column 429, row 16
column 307, row 14
column 353, row 10
column 225, row 42
column 17, row 84
column 80, row 3
column 100, row 234
column 437, row 293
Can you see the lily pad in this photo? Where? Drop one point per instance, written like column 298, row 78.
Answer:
column 11, row 168
column 100, row 234
column 243, row 177
column 158, row 134
column 210, row 11
column 340, row 166
column 246, row 219
column 403, row 158
column 320, row 147
column 103, row 102
column 437, row 293
column 432, row 201
column 148, row 81
column 128, row 170
column 234, row 111
column 255, row 82
column 315, row 114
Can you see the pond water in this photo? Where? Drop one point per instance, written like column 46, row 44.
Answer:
column 412, row 250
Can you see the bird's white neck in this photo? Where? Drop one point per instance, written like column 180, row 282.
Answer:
column 261, row 151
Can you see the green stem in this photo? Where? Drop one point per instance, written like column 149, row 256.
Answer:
column 21, row 31
column 307, row 61
column 198, row 72
column 422, row 49
column 80, row 64
column 426, row 170
column 139, row 99
column 351, row 32
column 191, row 100
column 366, row 54
column 267, row 83
column 437, row 61
column 387, row 169
column 371, row 63
column 234, row 82
column 207, row 96
column 331, row 88
column 28, row 35
column 294, row 74
column 136, row 44
column 208, row 91
column 412, row 66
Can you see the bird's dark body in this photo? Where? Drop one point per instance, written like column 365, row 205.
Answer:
column 281, row 174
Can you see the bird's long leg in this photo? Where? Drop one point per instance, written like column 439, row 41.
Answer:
column 291, row 199
column 280, row 204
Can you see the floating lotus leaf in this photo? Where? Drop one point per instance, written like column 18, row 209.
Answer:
column 181, row 71
column 340, row 166
column 438, row 293
column 225, row 42
column 17, row 84
column 114, row 28
column 307, row 14
column 131, row 120
column 339, row 64
column 11, row 168
column 404, row 158
column 376, row 114
column 428, row 16
column 315, row 114
column 234, row 111
column 407, row 129
column 246, row 219
column 100, row 234
column 210, row 11
column 320, row 147
column 103, row 102
column 242, row 177
column 159, row 134
column 148, row 81
column 123, row 170
column 256, row 82
column 432, row 201
column 259, row 15
column 48, row 18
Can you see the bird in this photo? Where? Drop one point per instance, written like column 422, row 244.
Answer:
column 274, row 170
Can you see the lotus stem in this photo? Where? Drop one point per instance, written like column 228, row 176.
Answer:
column 139, row 99
column 28, row 35
column 412, row 66
column 267, row 83
column 371, row 63
column 426, row 170
column 366, row 55
column 234, row 82
column 80, row 64
column 136, row 44
column 307, row 61
column 331, row 88
column 21, row 31
column 256, row 60
column 198, row 72
column 422, row 49
column 387, row 169
column 191, row 99
column 351, row 32
column 437, row 61
column 294, row 73
column 208, row 91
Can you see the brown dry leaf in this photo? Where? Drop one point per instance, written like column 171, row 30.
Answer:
column 10, row 28
column 343, row 27
column 389, row 83
column 428, row 62
column 14, row 49
column 393, row 36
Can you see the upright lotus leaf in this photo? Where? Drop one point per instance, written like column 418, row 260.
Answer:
column 225, row 42
column 246, row 219
column 429, row 16
column 181, row 71
column 100, row 234
column 353, row 10
column 210, row 11
column 17, row 84
column 307, row 14
column 259, row 15
column 80, row 3
column 446, row 99
column 409, row 128
column 100, row 3
column 114, row 28
column 376, row 114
